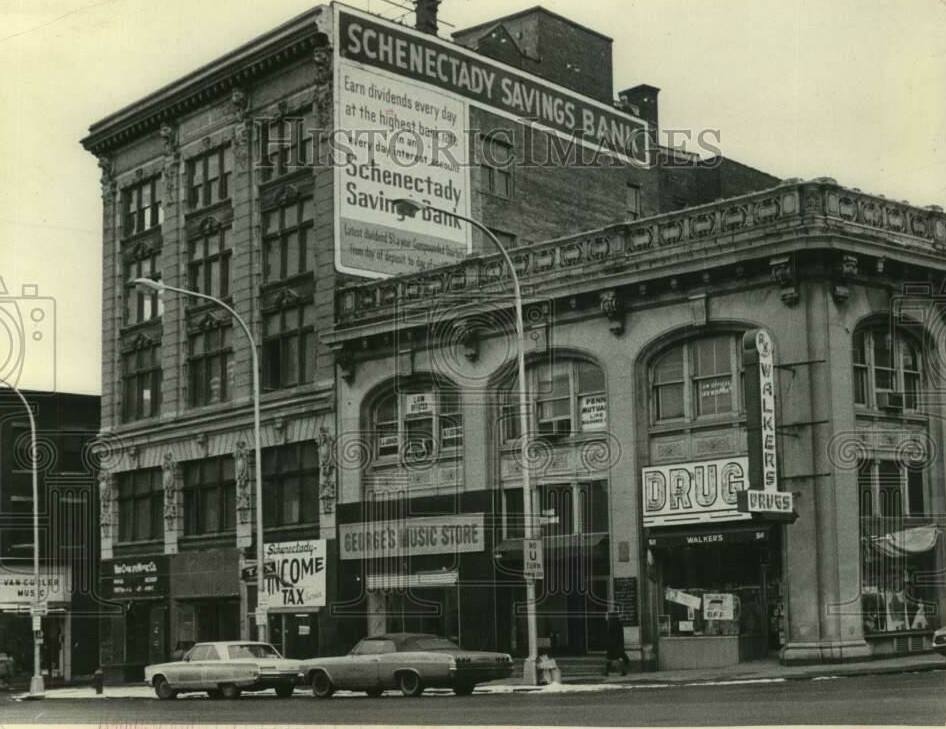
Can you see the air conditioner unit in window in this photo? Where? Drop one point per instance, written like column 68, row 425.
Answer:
column 891, row 401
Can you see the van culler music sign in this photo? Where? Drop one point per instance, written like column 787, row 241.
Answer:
column 402, row 127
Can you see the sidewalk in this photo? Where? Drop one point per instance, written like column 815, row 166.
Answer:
column 763, row 670
column 766, row 671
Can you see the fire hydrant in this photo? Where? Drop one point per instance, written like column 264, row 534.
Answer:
column 98, row 680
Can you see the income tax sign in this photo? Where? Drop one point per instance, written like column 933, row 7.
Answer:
column 296, row 578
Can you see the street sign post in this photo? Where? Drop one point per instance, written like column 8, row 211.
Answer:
column 533, row 566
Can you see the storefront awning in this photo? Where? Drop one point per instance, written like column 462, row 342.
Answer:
column 905, row 542
column 513, row 547
column 666, row 539
column 436, row 578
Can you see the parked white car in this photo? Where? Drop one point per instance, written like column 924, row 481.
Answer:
column 224, row 670
column 939, row 641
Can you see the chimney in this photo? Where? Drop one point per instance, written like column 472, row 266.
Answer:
column 425, row 13
column 644, row 100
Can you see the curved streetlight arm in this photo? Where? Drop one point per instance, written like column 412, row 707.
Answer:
column 36, row 682
column 410, row 208
column 159, row 287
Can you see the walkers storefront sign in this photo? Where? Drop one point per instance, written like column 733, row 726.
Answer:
column 295, row 575
column 424, row 535
column 402, row 127
column 692, row 493
column 135, row 578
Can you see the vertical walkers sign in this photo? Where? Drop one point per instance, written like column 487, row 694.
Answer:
column 760, row 410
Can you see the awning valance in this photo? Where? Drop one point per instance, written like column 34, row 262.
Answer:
column 513, row 547
column 436, row 578
column 670, row 537
column 915, row 540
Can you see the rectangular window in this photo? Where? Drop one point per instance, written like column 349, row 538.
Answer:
column 553, row 400
column 861, row 368
column 632, row 200
column 208, row 268
column 141, row 383
column 507, row 240
column 593, row 507
column 208, row 177
column 286, row 145
column 288, row 347
column 712, row 376
column 209, row 496
column 890, row 489
column 141, row 208
column 669, row 382
column 288, row 240
column 512, row 510
column 915, row 496
column 290, row 485
column 141, row 306
column 140, row 506
column 496, row 160
column 210, row 365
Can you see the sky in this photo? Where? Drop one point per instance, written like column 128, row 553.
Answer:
column 851, row 89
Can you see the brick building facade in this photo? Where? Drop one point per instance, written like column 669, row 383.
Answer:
column 218, row 183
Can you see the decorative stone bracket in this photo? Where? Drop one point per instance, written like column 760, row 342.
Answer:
column 244, row 495
column 783, row 273
column 612, row 306
column 170, row 475
column 327, row 459
column 845, row 269
column 106, row 514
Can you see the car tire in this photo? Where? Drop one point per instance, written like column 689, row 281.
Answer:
column 322, row 687
column 163, row 690
column 375, row 692
column 464, row 689
column 229, row 691
column 410, row 684
column 284, row 690
column 214, row 694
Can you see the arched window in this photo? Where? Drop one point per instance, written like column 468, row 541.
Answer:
column 418, row 424
column 886, row 370
column 698, row 378
column 568, row 397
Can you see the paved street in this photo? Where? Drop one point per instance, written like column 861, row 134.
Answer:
column 914, row 698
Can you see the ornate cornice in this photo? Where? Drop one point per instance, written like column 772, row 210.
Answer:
column 289, row 42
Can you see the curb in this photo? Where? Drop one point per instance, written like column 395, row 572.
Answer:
column 825, row 671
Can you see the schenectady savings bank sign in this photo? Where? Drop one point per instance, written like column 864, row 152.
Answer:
column 423, row 535
column 402, row 125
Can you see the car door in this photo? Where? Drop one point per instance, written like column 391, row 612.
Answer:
column 213, row 670
column 189, row 670
column 363, row 669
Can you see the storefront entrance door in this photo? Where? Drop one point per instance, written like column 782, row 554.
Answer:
column 424, row 610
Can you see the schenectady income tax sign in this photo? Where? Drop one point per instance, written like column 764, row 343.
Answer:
column 402, row 101
column 295, row 574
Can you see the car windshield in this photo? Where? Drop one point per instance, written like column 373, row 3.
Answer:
column 251, row 650
column 429, row 644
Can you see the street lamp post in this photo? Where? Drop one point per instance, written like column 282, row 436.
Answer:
column 37, row 689
column 410, row 208
column 160, row 288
